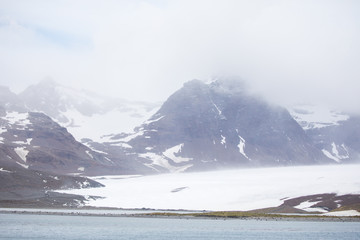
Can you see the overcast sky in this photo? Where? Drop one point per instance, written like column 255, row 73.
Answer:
column 290, row 51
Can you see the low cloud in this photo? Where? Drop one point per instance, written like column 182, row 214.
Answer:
column 289, row 51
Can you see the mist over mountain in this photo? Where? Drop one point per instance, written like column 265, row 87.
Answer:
column 85, row 114
column 202, row 126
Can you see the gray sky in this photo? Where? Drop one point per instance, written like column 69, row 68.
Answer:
column 290, row 51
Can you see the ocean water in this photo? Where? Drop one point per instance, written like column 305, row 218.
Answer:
column 26, row 226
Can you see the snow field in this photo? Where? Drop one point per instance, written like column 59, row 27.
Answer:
column 242, row 189
column 311, row 116
column 98, row 125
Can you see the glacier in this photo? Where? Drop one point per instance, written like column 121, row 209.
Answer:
column 240, row 189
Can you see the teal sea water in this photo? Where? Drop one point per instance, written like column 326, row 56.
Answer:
column 25, row 226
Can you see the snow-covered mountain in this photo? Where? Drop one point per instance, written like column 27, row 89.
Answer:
column 216, row 126
column 32, row 140
column 35, row 153
column 335, row 133
column 85, row 114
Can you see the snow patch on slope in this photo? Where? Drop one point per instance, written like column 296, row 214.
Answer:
column 155, row 120
column 130, row 137
column 23, row 165
column 336, row 151
column 161, row 161
column 335, row 155
column 170, row 153
column 2, row 130
column 18, row 119
column 89, row 154
column 307, row 206
column 121, row 144
column 3, row 170
column 329, row 155
column 22, row 153
column 241, row 147
column 223, row 140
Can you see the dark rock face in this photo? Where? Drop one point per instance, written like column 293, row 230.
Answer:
column 218, row 125
column 34, row 141
column 23, row 187
column 59, row 151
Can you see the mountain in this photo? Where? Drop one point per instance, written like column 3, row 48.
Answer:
column 31, row 139
column 335, row 133
column 219, row 125
column 85, row 114
column 50, row 134
column 37, row 156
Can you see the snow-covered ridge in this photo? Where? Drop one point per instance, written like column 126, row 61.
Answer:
column 311, row 116
column 86, row 114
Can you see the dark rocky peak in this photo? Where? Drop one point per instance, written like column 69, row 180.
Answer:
column 230, row 86
column 219, row 125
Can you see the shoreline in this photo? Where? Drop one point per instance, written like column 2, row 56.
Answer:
column 189, row 216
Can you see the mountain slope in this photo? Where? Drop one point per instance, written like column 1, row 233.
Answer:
column 218, row 125
column 335, row 133
column 34, row 141
column 85, row 114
